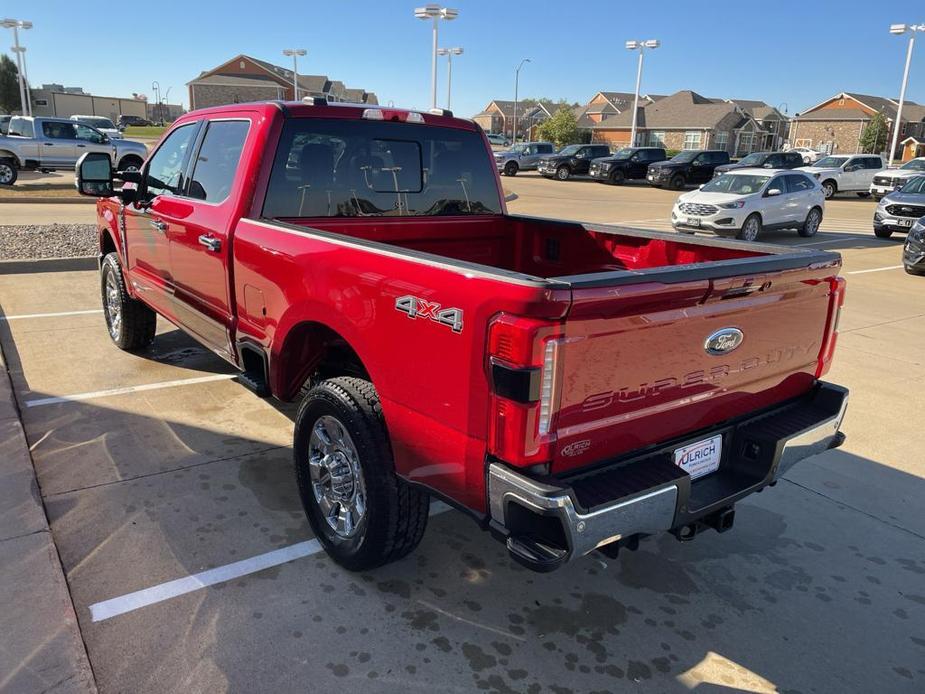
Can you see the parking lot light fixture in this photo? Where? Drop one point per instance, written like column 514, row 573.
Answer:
column 16, row 25
column 295, row 53
column 640, row 46
column 899, row 29
column 435, row 13
column 449, row 53
column 516, row 86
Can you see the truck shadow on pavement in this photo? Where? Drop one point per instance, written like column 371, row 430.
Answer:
column 144, row 490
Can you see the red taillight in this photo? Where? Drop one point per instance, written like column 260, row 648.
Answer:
column 524, row 367
column 827, row 351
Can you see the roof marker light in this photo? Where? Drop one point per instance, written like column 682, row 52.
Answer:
column 373, row 114
column 414, row 117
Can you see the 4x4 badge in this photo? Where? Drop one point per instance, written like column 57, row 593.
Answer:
column 414, row 307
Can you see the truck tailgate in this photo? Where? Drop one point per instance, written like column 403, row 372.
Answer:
column 637, row 365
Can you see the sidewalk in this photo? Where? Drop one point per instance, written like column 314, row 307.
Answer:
column 40, row 645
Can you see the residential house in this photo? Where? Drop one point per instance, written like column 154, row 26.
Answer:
column 499, row 115
column 606, row 104
column 836, row 124
column 243, row 79
column 688, row 120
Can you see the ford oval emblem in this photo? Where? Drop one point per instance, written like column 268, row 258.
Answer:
column 724, row 341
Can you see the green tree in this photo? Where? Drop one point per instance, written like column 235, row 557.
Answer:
column 9, row 85
column 561, row 129
column 875, row 135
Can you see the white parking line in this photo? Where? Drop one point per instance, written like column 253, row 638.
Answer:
column 38, row 402
column 23, row 316
column 165, row 591
column 876, row 269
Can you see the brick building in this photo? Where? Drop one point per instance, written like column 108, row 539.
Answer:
column 243, row 79
column 836, row 124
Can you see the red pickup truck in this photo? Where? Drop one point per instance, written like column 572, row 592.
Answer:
column 570, row 386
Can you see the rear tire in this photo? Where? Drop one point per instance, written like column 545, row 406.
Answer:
column 677, row 182
column 751, row 229
column 811, row 224
column 562, row 173
column 130, row 163
column 883, row 233
column 355, row 470
column 511, row 168
column 8, row 172
column 130, row 323
column 829, row 188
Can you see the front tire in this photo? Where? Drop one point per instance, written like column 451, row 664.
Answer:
column 511, row 168
column 914, row 271
column 617, row 178
column 361, row 512
column 811, row 224
column 751, row 230
column 676, row 182
column 130, row 323
column 829, row 188
column 883, row 233
column 862, row 194
column 562, row 173
column 8, row 172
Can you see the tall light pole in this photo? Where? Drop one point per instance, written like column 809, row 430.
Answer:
column 639, row 46
column 516, row 86
column 295, row 53
column 435, row 13
column 784, row 112
column 16, row 25
column 449, row 53
column 899, row 29
column 156, row 88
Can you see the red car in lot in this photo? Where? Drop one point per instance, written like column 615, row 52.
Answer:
column 569, row 386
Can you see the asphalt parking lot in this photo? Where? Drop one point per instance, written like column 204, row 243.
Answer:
column 170, row 493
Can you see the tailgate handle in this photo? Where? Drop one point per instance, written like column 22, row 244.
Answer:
column 748, row 287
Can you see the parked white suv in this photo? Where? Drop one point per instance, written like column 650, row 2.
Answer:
column 746, row 201
column 887, row 181
column 809, row 155
column 846, row 173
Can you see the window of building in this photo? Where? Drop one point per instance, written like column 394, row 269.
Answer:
column 804, row 142
column 721, row 140
column 40, row 102
column 692, row 139
column 656, row 138
column 217, row 160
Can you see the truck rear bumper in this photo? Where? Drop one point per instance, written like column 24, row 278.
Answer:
column 547, row 521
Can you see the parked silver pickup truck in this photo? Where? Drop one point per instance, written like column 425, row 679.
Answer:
column 522, row 157
column 50, row 144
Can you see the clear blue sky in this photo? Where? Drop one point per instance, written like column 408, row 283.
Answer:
column 778, row 52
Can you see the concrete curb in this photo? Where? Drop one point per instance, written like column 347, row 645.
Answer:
column 32, row 265
column 41, row 648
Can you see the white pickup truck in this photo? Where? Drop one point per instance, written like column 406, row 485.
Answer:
column 846, row 173
column 52, row 144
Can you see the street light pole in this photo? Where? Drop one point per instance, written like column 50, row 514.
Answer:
column 295, row 53
column 638, row 46
column 16, row 25
column 435, row 13
column 516, row 86
column 899, row 29
column 156, row 88
column 449, row 53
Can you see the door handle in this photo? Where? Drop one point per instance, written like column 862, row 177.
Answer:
column 49, row 144
column 81, row 145
column 210, row 242
column 158, row 225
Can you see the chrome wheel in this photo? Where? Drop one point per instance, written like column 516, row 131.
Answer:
column 6, row 174
column 336, row 477
column 562, row 173
column 751, row 229
column 828, row 189
column 812, row 223
column 113, row 306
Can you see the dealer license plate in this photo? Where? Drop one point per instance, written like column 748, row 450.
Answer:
column 905, row 222
column 693, row 222
column 701, row 458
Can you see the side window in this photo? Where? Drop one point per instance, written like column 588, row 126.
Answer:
column 778, row 183
column 874, row 163
column 89, row 134
column 165, row 170
column 59, row 131
column 217, row 161
column 775, row 161
column 798, row 183
column 21, row 127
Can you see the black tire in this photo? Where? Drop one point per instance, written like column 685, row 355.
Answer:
column 878, row 197
column 677, row 182
column 8, row 172
column 829, row 188
column 395, row 514
column 883, row 233
column 749, row 230
column 617, row 177
column 137, row 323
column 811, row 224
column 863, row 195
column 511, row 168
column 130, row 163
column 914, row 271
column 562, row 173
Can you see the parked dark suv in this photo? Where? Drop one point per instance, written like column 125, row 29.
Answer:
column 690, row 166
column 572, row 160
column 763, row 160
column 125, row 121
column 628, row 163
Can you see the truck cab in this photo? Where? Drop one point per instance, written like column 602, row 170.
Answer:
column 630, row 163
